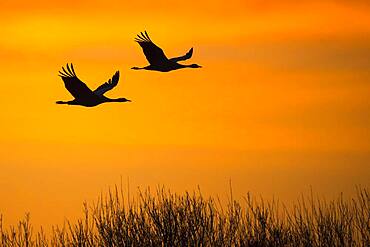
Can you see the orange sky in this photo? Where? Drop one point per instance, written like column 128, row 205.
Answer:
column 280, row 104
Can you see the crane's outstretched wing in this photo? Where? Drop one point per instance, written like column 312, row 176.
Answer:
column 75, row 86
column 185, row 57
column 153, row 53
column 110, row 84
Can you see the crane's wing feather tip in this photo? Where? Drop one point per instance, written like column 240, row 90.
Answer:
column 147, row 36
column 64, row 70
column 73, row 70
column 139, row 37
column 144, row 36
column 62, row 74
column 69, row 70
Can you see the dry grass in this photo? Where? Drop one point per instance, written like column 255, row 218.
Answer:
column 169, row 219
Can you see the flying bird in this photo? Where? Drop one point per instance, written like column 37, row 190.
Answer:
column 82, row 94
column 157, row 59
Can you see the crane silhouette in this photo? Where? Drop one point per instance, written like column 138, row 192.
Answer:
column 82, row 94
column 157, row 59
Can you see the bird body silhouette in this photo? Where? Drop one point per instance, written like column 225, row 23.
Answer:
column 157, row 59
column 82, row 94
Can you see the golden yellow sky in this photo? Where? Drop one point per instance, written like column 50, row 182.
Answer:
column 281, row 103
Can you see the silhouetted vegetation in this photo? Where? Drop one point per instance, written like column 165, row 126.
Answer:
column 169, row 219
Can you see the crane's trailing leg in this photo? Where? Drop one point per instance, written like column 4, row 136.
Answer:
column 137, row 68
column 64, row 102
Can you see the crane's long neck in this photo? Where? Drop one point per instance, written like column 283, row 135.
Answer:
column 191, row 66
column 180, row 66
column 117, row 100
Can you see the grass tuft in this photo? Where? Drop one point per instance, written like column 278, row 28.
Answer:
column 169, row 219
